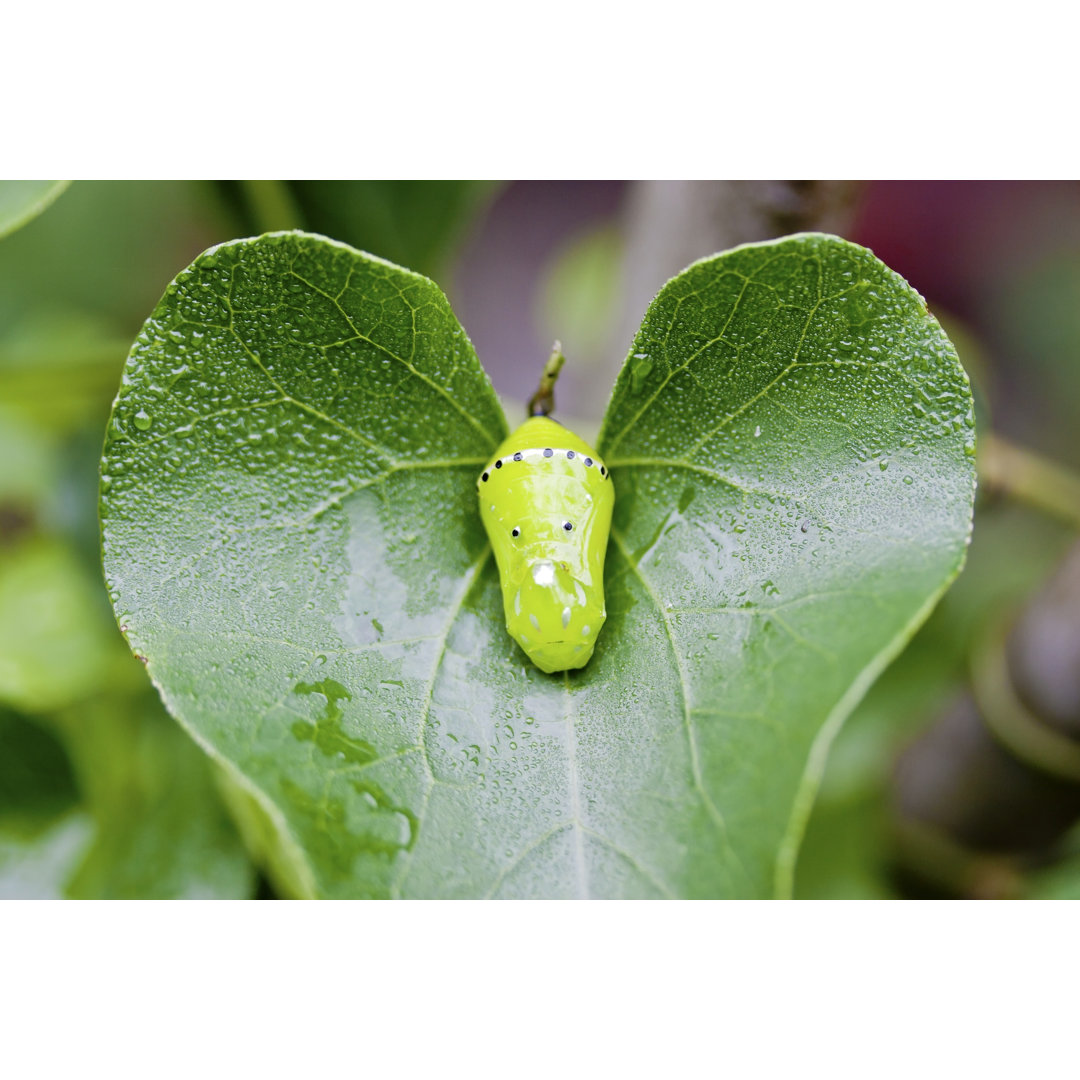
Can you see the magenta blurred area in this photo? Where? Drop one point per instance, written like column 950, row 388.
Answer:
column 959, row 241
column 999, row 263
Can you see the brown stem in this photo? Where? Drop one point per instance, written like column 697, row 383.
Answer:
column 1025, row 475
column 542, row 403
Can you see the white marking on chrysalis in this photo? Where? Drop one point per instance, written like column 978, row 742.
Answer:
column 580, row 592
column 585, row 631
column 565, row 617
column 543, row 573
column 533, row 619
column 517, row 602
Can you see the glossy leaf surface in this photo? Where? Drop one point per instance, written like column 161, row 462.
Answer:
column 292, row 541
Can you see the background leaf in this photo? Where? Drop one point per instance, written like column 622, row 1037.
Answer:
column 417, row 223
column 292, row 541
column 413, row 222
column 110, row 800
column 52, row 649
column 22, row 200
column 44, row 834
column 162, row 832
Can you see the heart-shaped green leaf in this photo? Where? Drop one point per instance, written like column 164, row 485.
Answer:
column 292, row 541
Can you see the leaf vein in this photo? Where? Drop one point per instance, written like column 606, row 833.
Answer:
column 441, row 390
column 684, row 686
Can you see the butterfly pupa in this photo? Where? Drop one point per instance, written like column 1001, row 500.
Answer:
column 546, row 500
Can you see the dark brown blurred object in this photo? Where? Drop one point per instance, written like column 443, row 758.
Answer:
column 992, row 787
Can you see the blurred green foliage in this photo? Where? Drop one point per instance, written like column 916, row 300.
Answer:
column 22, row 200
column 578, row 300
column 1037, row 321
column 415, row 223
column 846, row 850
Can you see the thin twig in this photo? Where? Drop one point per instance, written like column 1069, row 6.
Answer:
column 1027, row 476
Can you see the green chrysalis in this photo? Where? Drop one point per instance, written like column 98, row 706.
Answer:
column 546, row 502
